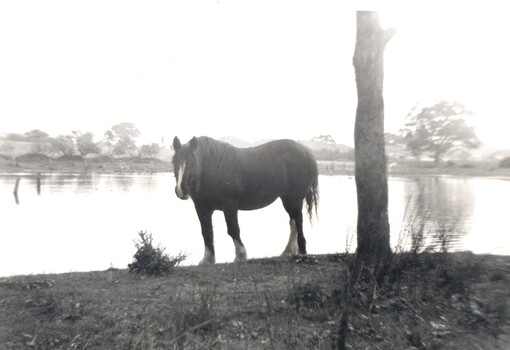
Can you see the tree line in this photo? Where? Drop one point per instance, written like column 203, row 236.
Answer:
column 120, row 140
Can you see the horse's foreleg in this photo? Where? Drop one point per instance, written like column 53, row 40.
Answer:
column 235, row 233
column 205, row 217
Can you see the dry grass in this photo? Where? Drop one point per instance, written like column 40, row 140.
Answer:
column 430, row 302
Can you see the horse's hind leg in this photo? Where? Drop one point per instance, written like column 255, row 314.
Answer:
column 294, row 208
column 292, row 246
column 235, row 233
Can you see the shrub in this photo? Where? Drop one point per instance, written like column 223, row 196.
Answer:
column 152, row 261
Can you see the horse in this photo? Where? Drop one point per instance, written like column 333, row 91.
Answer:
column 219, row 176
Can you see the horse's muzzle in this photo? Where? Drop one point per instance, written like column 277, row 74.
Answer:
column 180, row 193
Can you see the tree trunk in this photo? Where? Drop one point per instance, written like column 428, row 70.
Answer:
column 370, row 159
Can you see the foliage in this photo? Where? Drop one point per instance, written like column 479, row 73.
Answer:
column 7, row 147
column 122, row 136
column 148, row 151
column 393, row 139
column 152, row 261
column 119, row 140
column 39, row 140
column 85, row 143
column 439, row 129
column 16, row 137
column 125, row 131
column 109, row 140
column 125, row 146
column 62, row 145
column 36, row 134
column 325, row 138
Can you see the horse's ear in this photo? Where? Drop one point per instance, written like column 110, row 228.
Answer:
column 193, row 143
column 177, row 144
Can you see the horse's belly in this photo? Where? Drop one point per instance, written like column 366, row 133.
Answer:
column 252, row 202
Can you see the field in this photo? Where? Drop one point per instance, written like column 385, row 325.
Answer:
column 427, row 301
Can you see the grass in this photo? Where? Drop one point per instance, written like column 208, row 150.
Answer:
column 436, row 301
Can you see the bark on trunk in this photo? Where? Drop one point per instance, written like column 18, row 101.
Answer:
column 370, row 168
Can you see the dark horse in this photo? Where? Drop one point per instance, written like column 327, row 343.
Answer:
column 219, row 176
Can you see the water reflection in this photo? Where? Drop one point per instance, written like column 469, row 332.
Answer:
column 438, row 213
column 124, row 183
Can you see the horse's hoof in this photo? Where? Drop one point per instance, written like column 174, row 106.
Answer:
column 240, row 259
column 207, row 262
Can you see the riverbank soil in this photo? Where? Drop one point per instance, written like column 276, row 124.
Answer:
column 429, row 301
column 39, row 163
column 34, row 163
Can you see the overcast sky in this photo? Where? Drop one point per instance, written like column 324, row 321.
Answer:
column 251, row 69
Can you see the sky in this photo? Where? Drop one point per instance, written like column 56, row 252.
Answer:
column 252, row 69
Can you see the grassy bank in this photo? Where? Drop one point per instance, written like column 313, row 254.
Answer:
column 34, row 163
column 431, row 301
column 415, row 168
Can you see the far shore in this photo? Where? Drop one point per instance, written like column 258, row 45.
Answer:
column 35, row 163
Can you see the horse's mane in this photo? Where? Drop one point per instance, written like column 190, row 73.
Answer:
column 215, row 159
column 211, row 149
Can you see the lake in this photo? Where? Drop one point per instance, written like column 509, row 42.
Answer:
column 89, row 222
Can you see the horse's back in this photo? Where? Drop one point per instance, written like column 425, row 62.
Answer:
column 287, row 166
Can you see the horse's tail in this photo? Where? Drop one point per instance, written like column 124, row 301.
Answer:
column 312, row 197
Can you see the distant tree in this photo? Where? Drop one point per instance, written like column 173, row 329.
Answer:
column 126, row 146
column 36, row 134
column 62, row 145
column 393, row 139
column 439, row 129
column 16, row 137
column 109, row 140
column 125, row 131
column 39, row 140
column 124, row 136
column 325, row 138
column 85, row 143
column 148, row 151
column 7, row 147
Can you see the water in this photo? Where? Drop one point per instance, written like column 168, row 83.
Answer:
column 89, row 222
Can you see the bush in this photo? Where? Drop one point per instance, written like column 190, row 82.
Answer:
column 152, row 261
column 505, row 163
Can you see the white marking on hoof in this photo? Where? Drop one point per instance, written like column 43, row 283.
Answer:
column 208, row 259
column 240, row 252
column 292, row 247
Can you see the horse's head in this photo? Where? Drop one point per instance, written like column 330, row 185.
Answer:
column 186, row 168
